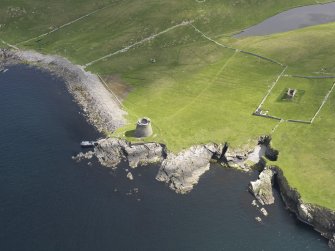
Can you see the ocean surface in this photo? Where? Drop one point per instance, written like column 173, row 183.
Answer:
column 48, row 202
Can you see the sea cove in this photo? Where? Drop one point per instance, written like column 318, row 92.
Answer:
column 209, row 96
column 48, row 201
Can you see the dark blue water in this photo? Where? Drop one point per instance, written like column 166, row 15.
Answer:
column 293, row 19
column 49, row 202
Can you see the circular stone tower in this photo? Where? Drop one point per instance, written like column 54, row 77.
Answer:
column 143, row 128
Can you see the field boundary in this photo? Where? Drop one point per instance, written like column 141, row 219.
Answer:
column 113, row 94
column 323, row 103
column 206, row 88
column 309, row 77
column 236, row 49
column 259, row 113
column 64, row 25
column 269, row 91
column 184, row 23
column 10, row 45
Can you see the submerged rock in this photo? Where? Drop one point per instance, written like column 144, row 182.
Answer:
column 182, row 171
column 130, row 176
column 262, row 188
column 264, row 212
column 81, row 156
column 254, row 203
column 258, row 219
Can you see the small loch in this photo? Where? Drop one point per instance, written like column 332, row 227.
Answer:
column 292, row 19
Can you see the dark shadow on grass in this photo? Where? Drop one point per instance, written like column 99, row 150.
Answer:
column 130, row 134
column 283, row 97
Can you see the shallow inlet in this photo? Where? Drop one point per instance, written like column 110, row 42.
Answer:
column 292, row 19
column 50, row 202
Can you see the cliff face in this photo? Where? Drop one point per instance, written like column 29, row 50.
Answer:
column 182, row 171
column 322, row 219
column 262, row 188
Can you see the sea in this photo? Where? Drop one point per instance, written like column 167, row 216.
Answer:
column 49, row 202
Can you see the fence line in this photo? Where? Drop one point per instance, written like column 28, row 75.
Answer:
column 235, row 49
column 323, row 103
column 62, row 26
column 271, row 88
column 10, row 45
column 113, row 94
column 267, row 116
column 299, row 121
column 262, row 57
column 184, row 23
column 310, row 77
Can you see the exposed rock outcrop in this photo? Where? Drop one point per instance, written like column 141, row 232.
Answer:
column 182, row 171
column 111, row 151
column 130, row 176
column 262, row 188
column 143, row 154
column 332, row 242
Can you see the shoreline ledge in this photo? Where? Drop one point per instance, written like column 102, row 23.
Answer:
column 180, row 171
column 98, row 104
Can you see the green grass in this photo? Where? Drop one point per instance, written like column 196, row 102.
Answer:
column 197, row 91
column 304, row 105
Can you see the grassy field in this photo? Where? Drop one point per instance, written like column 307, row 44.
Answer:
column 198, row 91
column 309, row 96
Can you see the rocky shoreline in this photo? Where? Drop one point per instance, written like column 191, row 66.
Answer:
column 99, row 106
column 320, row 218
column 180, row 171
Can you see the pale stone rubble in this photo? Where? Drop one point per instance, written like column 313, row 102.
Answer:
column 100, row 106
column 262, row 188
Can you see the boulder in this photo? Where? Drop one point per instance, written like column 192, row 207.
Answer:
column 130, row 176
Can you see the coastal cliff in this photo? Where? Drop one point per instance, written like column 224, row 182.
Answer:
column 320, row 218
column 181, row 171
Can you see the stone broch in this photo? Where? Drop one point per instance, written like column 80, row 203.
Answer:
column 143, row 128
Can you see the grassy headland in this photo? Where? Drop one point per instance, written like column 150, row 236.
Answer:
column 196, row 91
